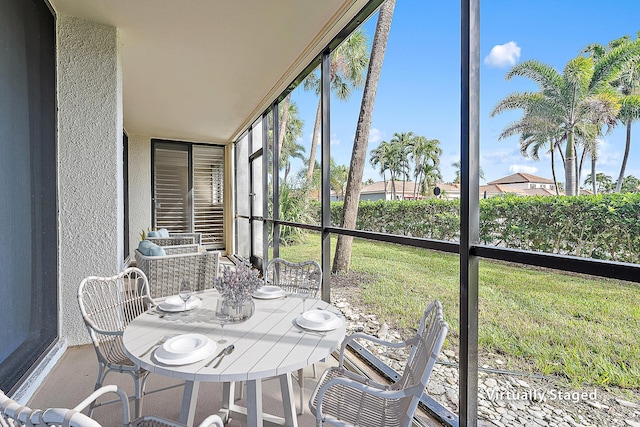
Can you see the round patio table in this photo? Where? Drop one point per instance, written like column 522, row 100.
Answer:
column 268, row 344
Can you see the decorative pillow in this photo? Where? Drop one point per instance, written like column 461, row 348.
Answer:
column 156, row 250
column 144, row 247
column 153, row 234
column 163, row 232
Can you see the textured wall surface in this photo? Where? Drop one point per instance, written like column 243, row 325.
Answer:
column 89, row 161
column 139, row 188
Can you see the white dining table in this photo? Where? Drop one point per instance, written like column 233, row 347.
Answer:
column 268, row 344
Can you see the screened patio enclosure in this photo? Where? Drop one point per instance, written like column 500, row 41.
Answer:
column 69, row 175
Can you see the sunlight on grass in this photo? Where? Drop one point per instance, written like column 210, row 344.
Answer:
column 581, row 328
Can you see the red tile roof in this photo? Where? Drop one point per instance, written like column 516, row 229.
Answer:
column 518, row 178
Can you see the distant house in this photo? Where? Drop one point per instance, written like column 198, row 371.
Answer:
column 381, row 190
column 522, row 184
column 524, row 181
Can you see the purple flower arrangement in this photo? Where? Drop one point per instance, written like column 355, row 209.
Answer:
column 236, row 285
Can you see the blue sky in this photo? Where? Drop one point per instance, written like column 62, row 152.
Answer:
column 420, row 82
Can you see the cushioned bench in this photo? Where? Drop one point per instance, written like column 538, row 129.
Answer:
column 166, row 272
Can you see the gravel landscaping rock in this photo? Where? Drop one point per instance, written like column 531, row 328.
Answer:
column 504, row 399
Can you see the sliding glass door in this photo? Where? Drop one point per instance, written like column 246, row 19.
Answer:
column 29, row 238
column 188, row 190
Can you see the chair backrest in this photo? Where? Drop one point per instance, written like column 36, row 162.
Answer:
column 165, row 273
column 108, row 304
column 426, row 346
column 289, row 275
column 12, row 414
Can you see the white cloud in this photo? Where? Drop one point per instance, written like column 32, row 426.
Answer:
column 335, row 140
column 375, row 135
column 523, row 168
column 608, row 155
column 502, row 55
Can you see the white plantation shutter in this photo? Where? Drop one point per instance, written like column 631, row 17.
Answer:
column 208, row 195
column 190, row 199
column 171, row 188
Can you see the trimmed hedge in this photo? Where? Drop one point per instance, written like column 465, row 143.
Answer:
column 605, row 226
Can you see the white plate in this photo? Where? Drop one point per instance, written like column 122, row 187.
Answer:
column 318, row 317
column 332, row 322
column 269, row 292
column 184, row 349
column 174, row 303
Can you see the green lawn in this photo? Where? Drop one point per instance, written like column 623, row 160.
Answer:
column 580, row 328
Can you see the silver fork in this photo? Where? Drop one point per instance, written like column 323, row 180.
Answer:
column 158, row 344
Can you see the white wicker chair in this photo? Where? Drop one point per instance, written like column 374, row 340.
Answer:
column 108, row 304
column 13, row 414
column 343, row 398
column 289, row 276
column 165, row 273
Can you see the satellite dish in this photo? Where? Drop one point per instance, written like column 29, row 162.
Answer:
column 436, row 191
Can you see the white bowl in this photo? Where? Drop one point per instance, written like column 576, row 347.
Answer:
column 318, row 317
column 269, row 292
column 187, row 348
column 174, row 303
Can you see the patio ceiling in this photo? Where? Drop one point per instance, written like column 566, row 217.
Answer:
column 203, row 70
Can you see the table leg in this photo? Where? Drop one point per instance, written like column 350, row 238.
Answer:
column 254, row 403
column 290, row 418
column 189, row 400
column 228, row 395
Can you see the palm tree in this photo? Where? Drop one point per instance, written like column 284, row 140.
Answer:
column 348, row 62
column 338, row 177
column 380, row 158
column 536, row 133
column 283, row 109
column 456, row 165
column 628, row 83
column 290, row 148
column 603, row 183
column 574, row 101
column 426, row 159
column 430, row 176
column 342, row 256
column 402, row 143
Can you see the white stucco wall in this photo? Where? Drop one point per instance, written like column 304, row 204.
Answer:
column 89, row 161
column 139, row 188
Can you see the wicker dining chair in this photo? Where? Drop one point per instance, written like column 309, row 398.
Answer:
column 289, row 276
column 344, row 398
column 12, row 414
column 108, row 304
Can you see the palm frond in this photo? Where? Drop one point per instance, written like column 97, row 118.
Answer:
column 630, row 108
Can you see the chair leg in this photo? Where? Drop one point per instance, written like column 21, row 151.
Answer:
column 139, row 380
column 301, row 384
column 101, row 374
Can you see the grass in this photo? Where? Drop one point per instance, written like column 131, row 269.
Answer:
column 581, row 328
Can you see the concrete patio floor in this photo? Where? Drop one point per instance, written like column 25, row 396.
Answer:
column 73, row 378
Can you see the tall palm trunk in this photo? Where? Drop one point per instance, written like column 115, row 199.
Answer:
column 314, row 143
column 553, row 168
column 627, row 147
column 282, row 126
column 342, row 257
column 570, row 165
column 593, row 174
